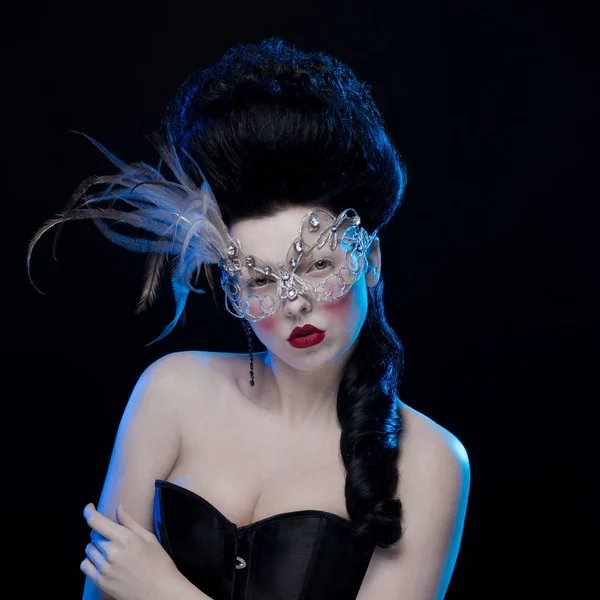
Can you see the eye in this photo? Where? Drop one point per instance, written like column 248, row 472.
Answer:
column 259, row 282
column 322, row 264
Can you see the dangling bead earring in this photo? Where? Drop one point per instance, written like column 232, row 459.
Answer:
column 248, row 331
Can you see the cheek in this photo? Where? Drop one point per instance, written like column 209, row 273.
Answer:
column 341, row 309
column 265, row 326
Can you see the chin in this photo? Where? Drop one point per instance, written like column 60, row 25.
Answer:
column 316, row 357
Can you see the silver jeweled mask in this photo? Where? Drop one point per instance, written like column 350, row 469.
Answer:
column 324, row 261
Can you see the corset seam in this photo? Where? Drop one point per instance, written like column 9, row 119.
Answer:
column 162, row 525
column 315, row 553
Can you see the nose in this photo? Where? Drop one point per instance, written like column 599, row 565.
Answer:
column 299, row 305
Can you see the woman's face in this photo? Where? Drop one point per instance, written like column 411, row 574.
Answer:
column 270, row 238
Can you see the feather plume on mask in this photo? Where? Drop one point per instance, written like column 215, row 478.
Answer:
column 185, row 220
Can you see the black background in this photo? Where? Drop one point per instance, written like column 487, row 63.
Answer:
column 491, row 276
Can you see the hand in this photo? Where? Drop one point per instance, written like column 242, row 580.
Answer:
column 124, row 560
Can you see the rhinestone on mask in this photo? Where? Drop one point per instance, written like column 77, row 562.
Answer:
column 356, row 241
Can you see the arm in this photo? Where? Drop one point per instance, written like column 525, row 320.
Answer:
column 146, row 448
column 182, row 589
column 434, row 489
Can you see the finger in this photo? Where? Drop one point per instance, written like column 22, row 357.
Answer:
column 125, row 519
column 104, row 546
column 98, row 539
column 87, row 566
column 98, row 522
column 96, row 556
column 100, row 542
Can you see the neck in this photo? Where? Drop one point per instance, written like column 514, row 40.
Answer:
column 299, row 399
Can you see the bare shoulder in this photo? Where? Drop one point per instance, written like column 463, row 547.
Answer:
column 186, row 369
column 177, row 363
column 424, row 439
column 433, row 466
column 190, row 381
column 433, row 486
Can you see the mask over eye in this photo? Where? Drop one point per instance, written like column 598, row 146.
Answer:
column 186, row 232
column 324, row 261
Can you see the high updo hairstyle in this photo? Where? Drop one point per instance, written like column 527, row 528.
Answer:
column 271, row 126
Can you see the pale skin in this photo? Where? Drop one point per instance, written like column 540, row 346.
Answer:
column 186, row 409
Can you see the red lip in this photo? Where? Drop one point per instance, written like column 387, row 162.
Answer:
column 304, row 330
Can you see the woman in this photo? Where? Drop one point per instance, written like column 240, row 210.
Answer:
column 295, row 472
